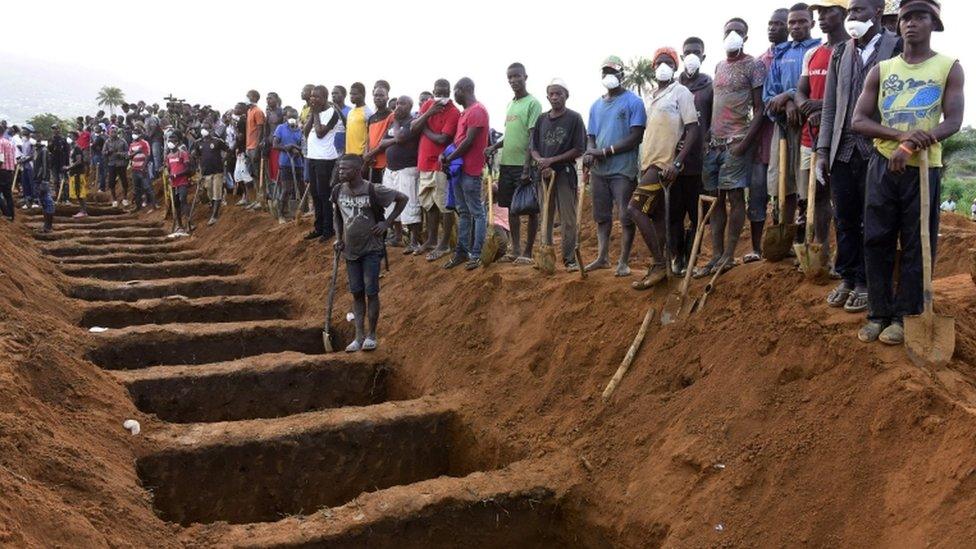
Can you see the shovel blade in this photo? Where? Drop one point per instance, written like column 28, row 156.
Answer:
column 327, row 341
column 930, row 339
column 545, row 259
column 777, row 241
column 812, row 261
column 489, row 250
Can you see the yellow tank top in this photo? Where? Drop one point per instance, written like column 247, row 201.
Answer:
column 910, row 98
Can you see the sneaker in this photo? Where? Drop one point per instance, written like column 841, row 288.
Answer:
column 115, row 203
column 125, row 203
column 369, row 344
column 211, row 221
column 241, row 202
column 572, row 267
column 25, row 207
column 80, row 214
column 894, row 334
column 472, row 264
column 870, row 332
column 455, row 261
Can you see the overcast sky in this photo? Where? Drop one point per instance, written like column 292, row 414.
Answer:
column 213, row 52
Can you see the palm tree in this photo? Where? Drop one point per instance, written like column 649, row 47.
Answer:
column 638, row 75
column 111, row 97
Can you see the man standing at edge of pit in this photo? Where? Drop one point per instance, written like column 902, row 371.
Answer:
column 910, row 93
column 359, row 220
column 515, row 163
column 779, row 97
column 379, row 122
column 322, row 155
column 842, row 153
column 357, row 121
column 614, row 132
column 254, row 134
column 439, row 119
column 470, row 143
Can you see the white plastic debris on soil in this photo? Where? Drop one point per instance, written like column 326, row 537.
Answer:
column 132, row 426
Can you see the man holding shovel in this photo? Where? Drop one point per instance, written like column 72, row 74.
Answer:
column 918, row 97
column 360, row 227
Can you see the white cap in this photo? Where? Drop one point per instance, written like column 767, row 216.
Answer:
column 559, row 82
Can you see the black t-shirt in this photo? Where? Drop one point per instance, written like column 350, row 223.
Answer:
column 211, row 160
column 555, row 136
column 97, row 144
column 77, row 158
column 401, row 155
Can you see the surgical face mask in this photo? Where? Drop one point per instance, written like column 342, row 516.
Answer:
column 235, row 118
column 692, row 64
column 135, row 136
column 204, row 133
column 857, row 29
column 33, row 141
column 292, row 122
column 44, row 143
column 171, row 145
column 663, row 73
column 611, row 82
column 733, row 42
column 69, row 140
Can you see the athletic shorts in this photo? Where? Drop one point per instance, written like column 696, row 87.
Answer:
column 509, row 177
column 405, row 181
column 433, row 190
column 609, row 190
column 214, row 184
column 723, row 171
column 364, row 274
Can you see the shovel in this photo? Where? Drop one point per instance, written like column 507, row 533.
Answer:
column 676, row 302
column 579, row 222
column 813, row 262
column 545, row 255
column 778, row 239
column 489, row 250
column 929, row 338
column 327, row 330
column 699, row 303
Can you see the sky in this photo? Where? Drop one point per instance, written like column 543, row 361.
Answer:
column 195, row 53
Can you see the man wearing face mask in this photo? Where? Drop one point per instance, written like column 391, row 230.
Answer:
column 287, row 143
column 779, row 95
column 809, row 100
column 842, row 153
column 688, row 185
column 209, row 152
column 615, row 129
column 736, row 122
column 116, row 154
column 910, row 105
column 671, row 119
column 274, row 117
column 178, row 164
column 139, row 157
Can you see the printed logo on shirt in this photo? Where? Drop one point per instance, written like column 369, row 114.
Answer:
column 905, row 102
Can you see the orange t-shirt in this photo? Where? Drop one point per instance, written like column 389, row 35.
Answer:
column 377, row 131
column 255, row 121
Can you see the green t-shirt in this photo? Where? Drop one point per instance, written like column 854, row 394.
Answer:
column 519, row 121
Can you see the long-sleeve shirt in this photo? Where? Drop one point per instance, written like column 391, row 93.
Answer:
column 784, row 73
column 116, row 151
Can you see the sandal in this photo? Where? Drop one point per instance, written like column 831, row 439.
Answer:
column 857, row 301
column 507, row 258
column 839, row 296
column 437, row 254
column 523, row 261
column 653, row 277
column 707, row 270
column 750, row 257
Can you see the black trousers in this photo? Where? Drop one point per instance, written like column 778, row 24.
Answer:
column 118, row 173
column 891, row 215
column 847, row 190
column 6, row 194
column 320, row 174
column 683, row 196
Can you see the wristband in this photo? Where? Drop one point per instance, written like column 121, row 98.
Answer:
column 612, row 151
column 906, row 149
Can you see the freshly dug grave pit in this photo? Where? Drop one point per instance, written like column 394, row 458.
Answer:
column 264, row 386
column 169, row 310
column 129, row 258
column 130, row 240
column 98, row 223
column 127, row 232
column 152, row 271
column 264, row 470
column 518, row 506
column 199, row 286
column 179, row 344
column 69, row 210
column 74, row 249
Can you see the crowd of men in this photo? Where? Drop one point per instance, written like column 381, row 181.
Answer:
column 865, row 101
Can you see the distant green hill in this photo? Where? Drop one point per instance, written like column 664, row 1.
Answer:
column 959, row 179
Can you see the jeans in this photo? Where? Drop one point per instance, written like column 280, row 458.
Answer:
column 42, row 192
column 891, row 215
column 143, row 189
column 564, row 200
column 320, row 177
column 157, row 159
column 758, row 194
column 27, row 183
column 847, row 190
column 98, row 163
column 471, row 216
column 6, row 194
column 118, row 173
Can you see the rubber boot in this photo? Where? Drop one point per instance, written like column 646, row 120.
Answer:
column 48, row 223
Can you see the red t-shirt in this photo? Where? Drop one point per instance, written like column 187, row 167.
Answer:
column 179, row 168
column 444, row 122
column 817, row 74
column 139, row 152
column 474, row 116
column 84, row 140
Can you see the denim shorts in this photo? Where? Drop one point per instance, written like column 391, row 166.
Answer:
column 724, row 171
column 364, row 274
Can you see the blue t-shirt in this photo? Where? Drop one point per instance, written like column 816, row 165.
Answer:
column 288, row 136
column 611, row 119
column 340, row 136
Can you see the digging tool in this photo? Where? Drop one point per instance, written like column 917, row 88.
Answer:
column 579, row 222
column 63, row 178
column 189, row 215
column 545, row 255
column 676, row 301
column 301, row 203
column 929, row 338
column 813, row 261
column 327, row 330
column 630, row 356
column 778, row 239
column 293, row 201
column 16, row 177
column 699, row 303
column 489, row 250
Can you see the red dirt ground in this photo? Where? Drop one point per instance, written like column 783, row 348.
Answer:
column 761, row 421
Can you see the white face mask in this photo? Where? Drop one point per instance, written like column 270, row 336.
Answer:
column 663, row 73
column 135, row 136
column 611, row 82
column 733, row 42
column 292, row 122
column 692, row 64
column 33, row 141
column 857, row 29
column 44, row 143
column 204, row 133
column 69, row 140
column 171, row 145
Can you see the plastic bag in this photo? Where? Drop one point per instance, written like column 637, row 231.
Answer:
column 241, row 173
column 525, row 200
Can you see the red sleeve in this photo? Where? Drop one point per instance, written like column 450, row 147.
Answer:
column 478, row 117
column 451, row 118
column 426, row 106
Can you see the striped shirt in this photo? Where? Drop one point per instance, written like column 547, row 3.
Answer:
column 8, row 154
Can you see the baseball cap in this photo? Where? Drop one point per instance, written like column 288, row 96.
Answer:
column 829, row 4
column 613, row 62
column 930, row 6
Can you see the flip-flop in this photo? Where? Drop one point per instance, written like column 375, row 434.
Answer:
column 523, row 261
column 437, row 254
column 857, row 302
column 750, row 257
column 707, row 270
column 839, row 296
column 507, row 258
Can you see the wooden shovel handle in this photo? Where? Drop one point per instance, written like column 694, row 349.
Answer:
column 811, row 198
column 924, row 219
column 781, row 199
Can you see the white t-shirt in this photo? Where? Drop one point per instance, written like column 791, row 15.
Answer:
column 324, row 148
